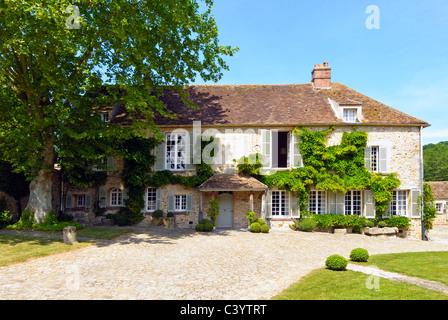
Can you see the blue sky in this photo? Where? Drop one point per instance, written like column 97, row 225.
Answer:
column 403, row 64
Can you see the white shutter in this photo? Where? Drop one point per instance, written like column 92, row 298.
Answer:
column 268, row 204
column 266, row 148
column 189, row 202
column 296, row 155
column 158, row 199
column 369, row 204
column 110, row 163
column 332, row 202
column 367, row 158
column 171, row 200
column 295, row 209
column 125, row 196
column 88, row 203
column 340, row 203
column 415, row 206
column 159, row 153
column 68, row 201
column 383, row 159
column 102, row 201
column 189, row 145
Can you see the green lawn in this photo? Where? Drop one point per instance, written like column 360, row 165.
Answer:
column 324, row 284
column 105, row 233
column 18, row 248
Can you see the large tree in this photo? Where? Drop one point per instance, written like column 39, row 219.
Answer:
column 436, row 161
column 56, row 58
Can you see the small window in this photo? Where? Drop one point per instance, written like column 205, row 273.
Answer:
column 116, row 197
column 317, row 202
column 180, row 202
column 353, row 203
column 104, row 117
column 175, row 151
column 374, row 154
column 349, row 115
column 280, row 203
column 81, row 201
column 439, row 207
column 151, row 198
column 398, row 205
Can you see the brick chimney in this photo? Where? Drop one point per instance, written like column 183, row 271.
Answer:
column 321, row 76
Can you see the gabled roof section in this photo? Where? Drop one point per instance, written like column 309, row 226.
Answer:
column 439, row 189
column 232, row 182
column 293, row 104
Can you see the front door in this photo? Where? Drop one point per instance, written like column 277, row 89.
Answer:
column 225, row 217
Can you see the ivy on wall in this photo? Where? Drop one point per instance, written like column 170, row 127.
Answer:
column 336, row 168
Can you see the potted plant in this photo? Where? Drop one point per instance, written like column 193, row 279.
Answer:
column 157, row 217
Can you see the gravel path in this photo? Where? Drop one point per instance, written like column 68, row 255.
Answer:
column 159, row 263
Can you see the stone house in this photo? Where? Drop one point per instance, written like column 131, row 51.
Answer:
column 251, row 119
column 440, row 191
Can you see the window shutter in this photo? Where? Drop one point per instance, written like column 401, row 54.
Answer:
column 159, row 152
column 190, row 152
column 266, row 148
column 383, row 163
column 274, row 149
column 369, row 202
column 415, row 206
column 332, row 202
column 68, row 201
column 367, row 158
column 295, row 210
column 340, row 203
column 158, row 199
column 268, row 204
column 102, row 201
column 171, row 202
column 110, row 163
column 296, row 155
column 189, row 202
column 88, row 203
column 289, row 160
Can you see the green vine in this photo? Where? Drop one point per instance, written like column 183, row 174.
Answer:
column 337, row 168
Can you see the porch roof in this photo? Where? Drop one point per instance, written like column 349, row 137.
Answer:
column 232, row 182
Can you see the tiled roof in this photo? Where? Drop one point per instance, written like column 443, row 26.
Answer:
column 439, row 189
column 232, row 182
column 294, row 104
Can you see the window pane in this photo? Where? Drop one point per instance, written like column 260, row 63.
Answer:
column 151, row 199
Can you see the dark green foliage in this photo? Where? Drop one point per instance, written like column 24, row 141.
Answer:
column 250, row 165
column 204, row 225
column 370, row 224
column 399, row 222
column 157, row 214
column 381, row 224
column 359, row 255
column 305, row 224
column 51, row 223
column 336, row 262
column 429, row 209
column 435, row 159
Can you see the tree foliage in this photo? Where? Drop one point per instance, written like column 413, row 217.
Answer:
column 435, row 157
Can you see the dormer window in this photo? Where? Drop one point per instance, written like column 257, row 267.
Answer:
column 349, row 115
column 104, row 117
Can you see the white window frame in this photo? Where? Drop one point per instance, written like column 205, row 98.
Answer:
column 151, row 199
column 116, row 197
column 172, row 157
column 350, row 115
column 105, row 117
column 180, row 202
column 80, row 200
column 439, row 207
column 280, row 207
column 316, row 196
column 353, row 203
column 398, row 205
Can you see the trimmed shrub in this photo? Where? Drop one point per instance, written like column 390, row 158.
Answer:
column 399, row 222
column 157, row 213
column 336, row 262
column 260, row 221
column 264, row 228
column 255, row 227
column 381, row 224
column 305, row 224
column 199, row 227
column 370, row 224
column 208, row 226
column 170, row 214
column 204, row 221
column 359, row 255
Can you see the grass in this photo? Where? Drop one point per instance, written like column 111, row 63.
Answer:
column 426, row 265
column 324, row 284
column 19, row 248
column 105, row 233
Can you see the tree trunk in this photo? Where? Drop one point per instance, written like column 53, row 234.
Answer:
column 41, row 196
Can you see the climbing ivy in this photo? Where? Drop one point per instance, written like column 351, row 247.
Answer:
column 336, row 168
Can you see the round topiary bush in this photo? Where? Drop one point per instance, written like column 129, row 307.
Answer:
column 208, row 226
column 204, row 221
column 255, row 227
column 336, row 262
column 264, row 228
column 359, row 254
column 370, row 224
column 382, row 224
column 260, row 221
column 199, row 227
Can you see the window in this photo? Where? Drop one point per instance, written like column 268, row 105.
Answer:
column 439, row 207
column 81, row 200
column 280, row 148
column 398, row 205
column 180, row 202
column 317, row 202
column 280, row 203
column 349, row 115
column 175, row 151
column 151, row 197
column 104, row 117
column 116, row 197
column 353, row 203
column 374, row 153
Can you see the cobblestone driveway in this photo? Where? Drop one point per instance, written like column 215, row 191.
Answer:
column 158, row 263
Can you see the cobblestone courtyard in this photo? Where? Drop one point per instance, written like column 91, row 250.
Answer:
column 158, row 263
